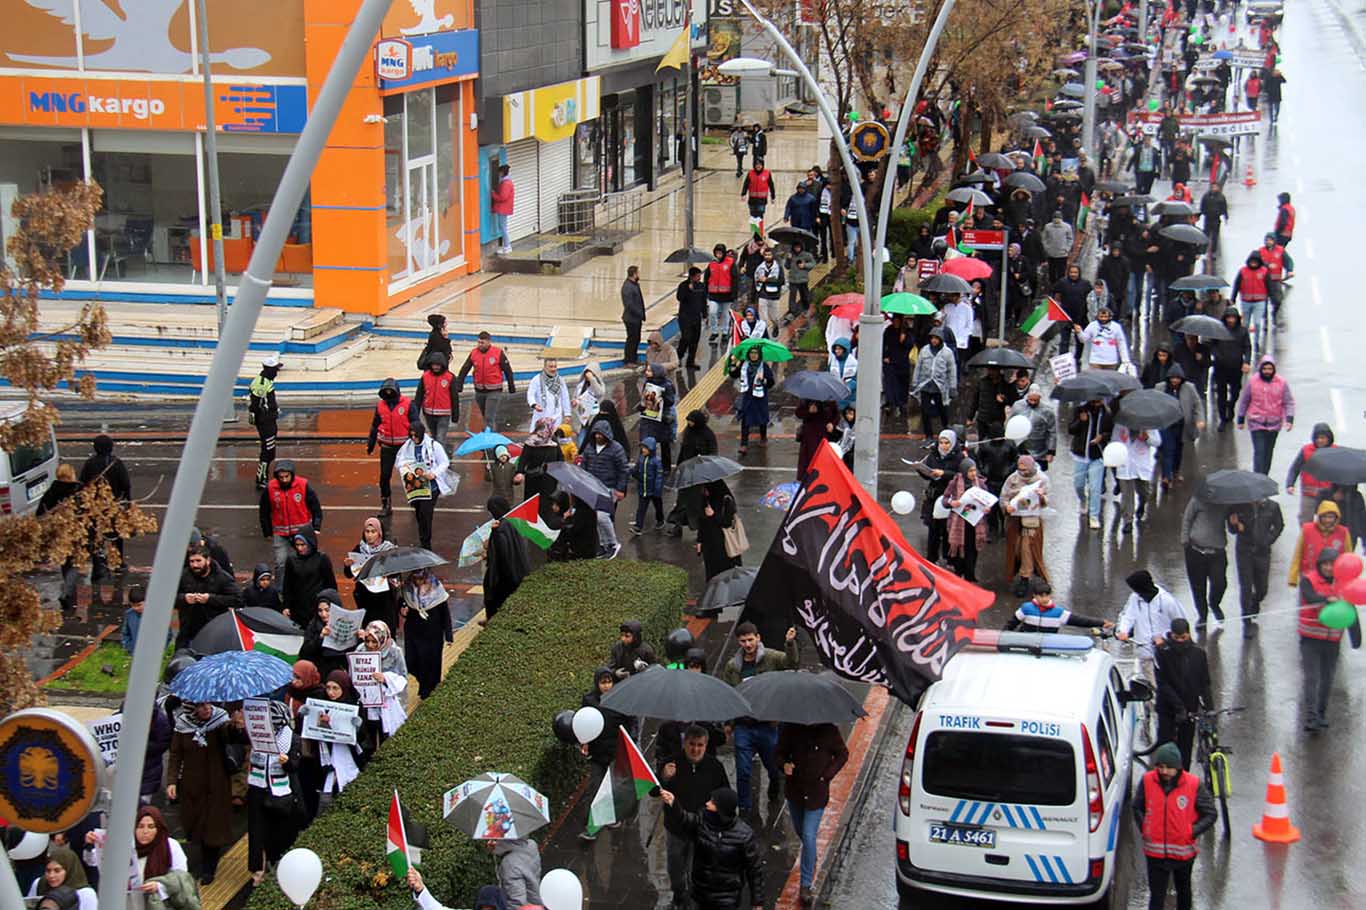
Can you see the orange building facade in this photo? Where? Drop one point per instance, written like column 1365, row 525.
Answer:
column 90, row 89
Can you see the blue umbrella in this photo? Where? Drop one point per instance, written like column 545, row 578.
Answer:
column 482, row 442
column 231, row 676
column 1223, row 55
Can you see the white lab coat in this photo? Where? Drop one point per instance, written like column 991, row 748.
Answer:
column 1142, row 453
column 553, row 406
column 431, row 456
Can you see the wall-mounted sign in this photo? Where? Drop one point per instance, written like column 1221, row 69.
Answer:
column 51, row 771
column 629, row 31
column 869, row 141
column 625, row 23
column 550, row 113
column 393, row 59
column 436, row 59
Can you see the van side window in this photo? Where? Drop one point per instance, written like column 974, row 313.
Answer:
column 1111, row 715
column 1116, row 681
column 1107, row 755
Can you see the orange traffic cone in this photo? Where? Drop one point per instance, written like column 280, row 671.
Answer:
column 1275, row 825
column 1250, row 180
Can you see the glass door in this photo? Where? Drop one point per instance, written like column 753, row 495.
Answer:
column 424, row 229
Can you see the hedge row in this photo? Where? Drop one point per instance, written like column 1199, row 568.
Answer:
column 492, row 712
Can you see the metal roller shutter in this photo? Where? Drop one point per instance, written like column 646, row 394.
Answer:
column 525, row 217
column 556, row 177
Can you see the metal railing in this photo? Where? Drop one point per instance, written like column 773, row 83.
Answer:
column 578, row 211
column 620, row 212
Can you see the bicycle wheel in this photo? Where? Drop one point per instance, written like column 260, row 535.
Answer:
column 1218, row 767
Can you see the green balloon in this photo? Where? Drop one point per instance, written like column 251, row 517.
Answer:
column 1100, row 84
column 1338, row 614
column 1153, row 104
column 1278, row 58
column 853, row 115
column 1199, row 40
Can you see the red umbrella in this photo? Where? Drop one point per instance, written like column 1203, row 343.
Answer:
column 967, row 268
column 835, row 300
column 848, row 311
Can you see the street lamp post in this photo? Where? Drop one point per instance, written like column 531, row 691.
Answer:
column 1088, row 121
column 215, row 197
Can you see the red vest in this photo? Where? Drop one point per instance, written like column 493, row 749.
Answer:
column 1309, row 626
column 436, row 393
column 1289, row 220
column 488, row 370
column 393, row 421
column 758, row 183
column 1315, row 543
column 1274, row 259
column 1310, row 485
column 1168, row 818
column 1252, row 283
column 289, row 507
column 721, row 277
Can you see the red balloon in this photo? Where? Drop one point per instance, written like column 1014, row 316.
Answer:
column 1355, row 593
column 1347, row 568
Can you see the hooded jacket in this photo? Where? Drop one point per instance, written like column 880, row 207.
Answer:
column 1232, row 353
column 436, row 342
column 108, row 466
column 698, row 438
column 1155, row 373
column 1266, row 405
column 608, row 465
column 1149, row 611
column 603, row 750
column 625, row 656
column 390, row 423
column 519, row 870
column 305, row 577
column 1043, row 425
column 1314, row 541
column 936, row 370
column 255, row 596
column 660, row 351
column 726, row 854
column 648, row 472
column 1204, row 525
column 1192, row 405
column 1310, row 485
column 692, row 783
column 223, row 594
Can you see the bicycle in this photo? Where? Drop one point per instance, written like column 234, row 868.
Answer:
column 1213, row 759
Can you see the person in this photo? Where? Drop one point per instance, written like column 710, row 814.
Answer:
column 691, row 295
column 388, row 429
column 940, row 467
column 716, row 513
column 578, row 524
column 1279, row 268
column 691, row 774
column 1024, row 532
column 1285, row 220
column 846, row 434
column 274, row 800
column 799, row 266
column 205, row 591
column 769, row 279
column 649, row 477
column 758, row 140
column 63, row 870
column 438, row 339
column 1057, row 245
column 723, row 283
column 800, row 211
column 1155, row 372
column 426, row 614
column 263, row 412
column 605, row 459
column 843, row 366
column 547, row 395
column 1071, row 292
column 315, row 647
column 1352, row 508
column 824, row 241
column 156, row 854
column 1145, row 164
column 1193, row 356
column 503, row 199
column 64, row 486
column 898, row 342
column 423, row 466
column 965, row 541
column 1183, row 689
column 104, row 465
column 697, row 439
column 1321, row 437
column 1265, row 405
column 1253, row 282
column 817, row 423
column 200, row 780
column 750, row 735
column 1105, row 340
column 288, row 505
column 1042, row 441
column 935, row 381
column 506, row 560
column 1041, row 613
column 1185, row 430
column 1325, row 532
column 601, row 752
column 1320, row 645
column 750, row 326
column 490, row 897
column 1214, row 211
column 1256, row 526
column 1172, row 807
column 632, row 314
column 132, row 617
column 739, row 147
column 1135, row 474
column 726, row 855
column 382, row 722
column 630, row 653
column 1090, row 429
column 261, row 591
column 810, row 755
column 658, row 409
column 342, row 761
column 375, row 596
column 1272, row 88
column 538, row 451
column 503, row 476
column 435, row 399
column 758, row 187
column 1252, row 89
column 1204, row 538
column 1146, row 619
column 1232, row 358
column 308, row 571
column 491, row 369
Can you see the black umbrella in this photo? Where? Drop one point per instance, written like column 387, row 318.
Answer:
column 688, row 254
column 1066, row 105
column 1174, row 208
column 944, row 283
column 727, row 589
column 1130, row 200
column 1021, row 119
column 1024, row 180
column 1081, row 388
column 1113, row 186
column 1068, row 115
column 702, row 469
column 816, row 385
column 974, row 177
column 397, row 561
column 1073, row 90
column 575, row 481
column 220, row 634
column 995, row 161
column 1231, row 487
column 1198, row 283
column 798, row 697
column 1148, row 409
column 676, row 695
column 1115, row 380
column 1007, row 358
column 1184, row 233
column 1338, row 464
column 788, row 234
column 1202, row 326
column 1038, row 132
column 1218, row 143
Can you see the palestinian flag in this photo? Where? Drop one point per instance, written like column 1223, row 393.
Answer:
column 629, row 778
column 526, row 518
column 285, row 647
column 972, row 159
column 735, row 336
column 950, row 241
column 396, row 841
column 1083, row 212
column 1040, row 162
column 1043, row 317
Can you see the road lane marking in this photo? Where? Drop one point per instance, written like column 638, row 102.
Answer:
column 1309, row 247
column 1339, row 412
column 1314, row 290
column 1326, row 343
column 1299, row 186
column 1296, row 159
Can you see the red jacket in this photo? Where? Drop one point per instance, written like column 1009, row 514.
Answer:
column 1251, row 283
column 1285, row 220
column 721, row 279
column 504, row 195
column 1169, row 817
column 1309, row 625
column 760, row 184
column 289, row 512
column 1313, row 542
column 1274, row 259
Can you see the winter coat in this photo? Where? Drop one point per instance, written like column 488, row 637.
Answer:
column 661, row 352
column 608, row 465
column 726, row 857
column 506, row 564
column 765, row 661
column 624, row 656
column 817, row 753
column 1071, row 296
column 305, row 577
column 253, row 595
column 691, row 785
column 519, row 870
column 1155, row 373
column 632, row 302
column 1192, row 405
column 182, row 892
column 1056, row 237
column 1262, row 524
column 224, row 595
column 936, row 370
column 1043, row 426
column 1230, row 354
column 105, row 464
column 698, row 438
column 648, row 473
column 1195, row 361
column 1086, row 426
column 1183, row 681
column 1204, row 525
column 1266, row 405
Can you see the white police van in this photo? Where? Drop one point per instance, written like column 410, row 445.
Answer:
column 1014, row 779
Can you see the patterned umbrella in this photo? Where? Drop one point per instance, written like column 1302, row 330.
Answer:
column 231, row 676
column 482, row 442
column 780, row 497
column 495, row 806
column 472, row 550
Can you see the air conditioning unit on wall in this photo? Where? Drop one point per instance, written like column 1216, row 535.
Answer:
column 718, row 105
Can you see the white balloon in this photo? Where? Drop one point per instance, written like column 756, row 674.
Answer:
column 299, row 874
column 1114, row 455
column 31, row 847
column 903, row 502
column 561, row 890
column 587, row 724
column 1018, row 427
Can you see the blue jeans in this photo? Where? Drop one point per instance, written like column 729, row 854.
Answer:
column 807, row 822
column 751, row 738
column 1088, row 477
column 851, row 241
column 502, row 222
column 1173, row 445
column 1263, row 444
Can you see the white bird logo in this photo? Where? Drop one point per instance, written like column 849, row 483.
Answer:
column 427, row 19
column 141, row 34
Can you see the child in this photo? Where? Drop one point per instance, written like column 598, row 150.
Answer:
column 564, row 438
column 648, row 474
column 844, row 435
column 1041, row 614
column 132, row 617
column 503, row 474
column 262, row 592
column 601, row 751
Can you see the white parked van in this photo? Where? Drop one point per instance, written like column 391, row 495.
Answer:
column 1014, row 779
column 27, row 472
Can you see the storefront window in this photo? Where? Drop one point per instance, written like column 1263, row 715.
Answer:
column 448, row 173
column 27, row 167
column 668, row 124
column 586, row 137
column 627, row 142
column 424, row 218
column 145, row 231
column 247, row 186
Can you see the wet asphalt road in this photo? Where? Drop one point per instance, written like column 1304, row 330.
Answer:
column 1318, row 332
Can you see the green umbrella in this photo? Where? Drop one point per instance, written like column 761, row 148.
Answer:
column 769, row 350
column 908, row 305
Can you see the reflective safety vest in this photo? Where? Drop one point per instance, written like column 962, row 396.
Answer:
column 1309, row 625
column 721, row 277
column 436, row 393
column 1274, row 259
column 1169, row 818
column 759, row 183
column 488, row 371
column 1310, row 485
column 289, row 507
column 1252, row 283
column 393, row 421
column 1289, row 211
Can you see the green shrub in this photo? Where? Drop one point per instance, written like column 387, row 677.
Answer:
column 492, row 712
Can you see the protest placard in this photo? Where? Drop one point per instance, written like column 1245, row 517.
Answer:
column 1063, row 366
column 342, row 626
column 330, row 721
column 260, row 731
column 364, row 665
column 106, row 732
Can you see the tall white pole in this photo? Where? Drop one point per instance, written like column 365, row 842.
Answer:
column 188, row 489
column 215, row 199
column 1088, row 122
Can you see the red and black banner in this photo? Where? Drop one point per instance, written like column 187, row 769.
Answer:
column 840, row 568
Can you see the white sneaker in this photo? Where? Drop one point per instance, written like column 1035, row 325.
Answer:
column 1215, row 624
column 1094, row 524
